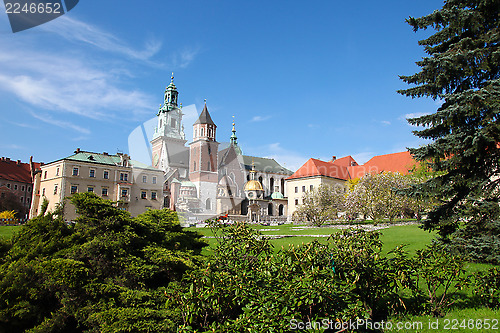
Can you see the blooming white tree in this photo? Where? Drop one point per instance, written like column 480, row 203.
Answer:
column 375, row 196
column 321, row 204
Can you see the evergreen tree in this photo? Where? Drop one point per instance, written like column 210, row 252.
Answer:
column 462, row 70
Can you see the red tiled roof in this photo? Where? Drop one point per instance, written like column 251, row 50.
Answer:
column 345, row 161
column 342, row 168
column 314, row 167
column 15, row 171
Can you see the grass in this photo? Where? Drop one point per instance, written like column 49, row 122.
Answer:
column 8, row 231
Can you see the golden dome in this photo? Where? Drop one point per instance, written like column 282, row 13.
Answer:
column 253, row 185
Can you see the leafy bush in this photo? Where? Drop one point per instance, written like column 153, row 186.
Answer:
column 487, row 285
column 108, row 272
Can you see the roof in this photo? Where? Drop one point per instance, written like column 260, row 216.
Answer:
column 345, row 161
column 314, row 167
column 265, row 165
column 15, row 171
column 400, row 162
column 277, row 195
column 253, row 185
column 205, row 117
column 104, row 158
column 343, row 169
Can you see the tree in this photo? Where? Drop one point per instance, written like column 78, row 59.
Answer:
column 462, row 69
column 375, row 196
column 107, row 272
column 321, row 204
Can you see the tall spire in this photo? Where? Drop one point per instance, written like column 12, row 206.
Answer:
column 171, row 94
column 234, row 140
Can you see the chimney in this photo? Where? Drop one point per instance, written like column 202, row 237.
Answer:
column 7, row 159
column 18, row 162
column 333, row 158
column 105, row 154
column 77, row 150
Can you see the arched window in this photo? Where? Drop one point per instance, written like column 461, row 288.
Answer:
column 271, row 184
column 283, row 186
column 270, row 209
column 208, row 204
column 260, row 180
column 280, row 210
column 202, row 133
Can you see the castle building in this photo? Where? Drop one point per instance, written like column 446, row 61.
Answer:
column 203, row 180
column 135, row 186
column 16, row 185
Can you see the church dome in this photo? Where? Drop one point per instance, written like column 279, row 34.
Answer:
column 253, row 185
column 277, row 195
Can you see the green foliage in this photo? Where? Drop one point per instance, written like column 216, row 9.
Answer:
column 246, row 286
column 44, row 206
column 487, row 285
column 107, row 272
column 463, row 71
column 441, row 274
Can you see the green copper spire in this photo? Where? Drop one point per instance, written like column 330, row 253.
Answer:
column 234, row 140
column 171, row 94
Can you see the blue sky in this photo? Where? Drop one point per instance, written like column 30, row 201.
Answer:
column 303, row 79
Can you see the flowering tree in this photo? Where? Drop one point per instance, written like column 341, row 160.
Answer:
column 375, row 196
column 321, row 204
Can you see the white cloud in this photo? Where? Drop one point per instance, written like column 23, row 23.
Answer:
column 64, row 84
column 60, row 123
column 77, row 31
column 385, row 122
column 415, row 115
column 260, row 118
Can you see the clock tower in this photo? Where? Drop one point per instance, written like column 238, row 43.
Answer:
column 168, row 143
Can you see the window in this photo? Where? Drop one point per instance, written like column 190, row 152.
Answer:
column 92, row 173
column 123, row 177
column 45, row 175
column 173, row 123
column 22, row 188
column 55, row 189
column 202, row 132
column 208, row 204
column 75, row 171
column 144, row 179
column 153, row 195
column 15, row 187
column 22, row 199
column 106, row 174
column 74, row 189
column 311, row 188
column 90, row 189
column 28, row 200
column 104, row 192
column 303, row 188
column 194, row 166
column 208, row 166
column 57, row 172
column 296, row 189
column 154, row 180
column 43, row 191
column 296, row 201
column 124, row 192
column 143, row 195
column 29, row 188
column 160, row 123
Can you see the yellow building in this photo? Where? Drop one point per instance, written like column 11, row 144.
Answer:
column 135, row 186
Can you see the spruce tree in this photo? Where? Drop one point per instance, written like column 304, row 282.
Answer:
column 462, row 70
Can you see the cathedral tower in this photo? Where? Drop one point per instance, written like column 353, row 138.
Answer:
column 203, row 163
column 168, row 143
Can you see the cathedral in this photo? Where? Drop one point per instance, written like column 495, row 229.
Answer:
column 203, row 179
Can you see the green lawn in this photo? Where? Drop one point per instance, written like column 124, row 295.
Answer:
column 8, row 231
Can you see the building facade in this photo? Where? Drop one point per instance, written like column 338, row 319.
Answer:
column 134, row 186
column 203, row 179
column 16, row 185
column 337, row 172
